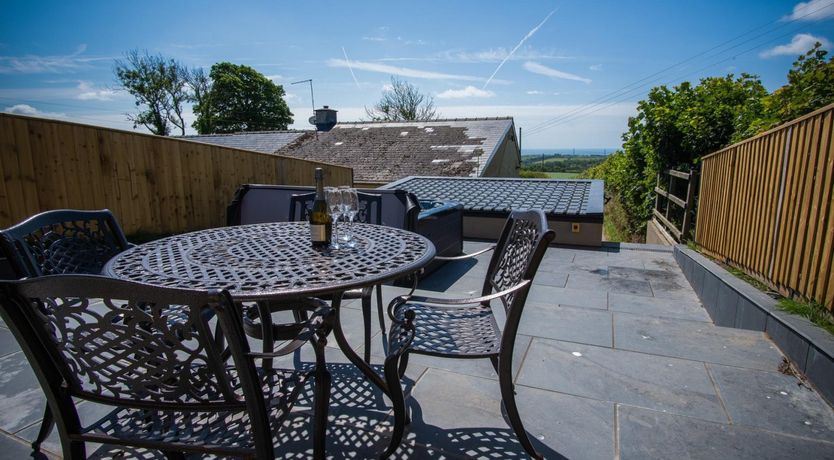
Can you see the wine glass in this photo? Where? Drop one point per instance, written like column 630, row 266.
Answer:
column 334, row 203
column 349, row 208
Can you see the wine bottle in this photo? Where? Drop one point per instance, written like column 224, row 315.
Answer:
column 321, row 225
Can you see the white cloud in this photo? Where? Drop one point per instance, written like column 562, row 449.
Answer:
column 31, row 63
column 375, row 39
column 540, row 69
column 813, row 10
column 595, row 67
column 401, row 71
column 26, row 109
column 89, row 92
column 469, row 91
column 537, row 92
column 799, row 44
column 275, row 77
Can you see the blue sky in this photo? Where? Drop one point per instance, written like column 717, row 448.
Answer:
column 572, row 71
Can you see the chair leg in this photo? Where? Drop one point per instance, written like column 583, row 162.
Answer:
column 508, row 401
column 380, row 309
column 47, row 424
column 395, row 393
column 366, row 317
column 321, row 402
column 170, row 455
column 267, row 342
column 403, row 364
column 74, row 450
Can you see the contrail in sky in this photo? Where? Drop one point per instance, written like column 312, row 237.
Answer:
column 350, row 68
column 529, row 34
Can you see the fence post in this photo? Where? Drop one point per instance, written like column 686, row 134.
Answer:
column 669, row 191
column 690, row 197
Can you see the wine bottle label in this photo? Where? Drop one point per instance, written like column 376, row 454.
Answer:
column 318, row 232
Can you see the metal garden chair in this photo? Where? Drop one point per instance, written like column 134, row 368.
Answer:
column 467, row 328
column 62, row 241
column 172, row 385
column 369, row 212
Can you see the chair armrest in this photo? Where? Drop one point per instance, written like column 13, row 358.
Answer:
column 467, row 301
column 465, row 256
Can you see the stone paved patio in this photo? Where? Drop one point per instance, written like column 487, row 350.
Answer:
column 617, row 359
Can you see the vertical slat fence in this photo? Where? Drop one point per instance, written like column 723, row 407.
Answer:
column 152, row 184
column 767, row 206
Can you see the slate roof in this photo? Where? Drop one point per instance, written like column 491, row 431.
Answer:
column 381, row 152
column 259, row 141
column 498, row 196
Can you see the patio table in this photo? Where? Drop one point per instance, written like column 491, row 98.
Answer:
column 275, row 261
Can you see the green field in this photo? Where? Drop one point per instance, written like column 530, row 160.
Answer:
column 559, row 166
column 562, row 175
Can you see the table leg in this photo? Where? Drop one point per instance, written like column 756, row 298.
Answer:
column 354, row 358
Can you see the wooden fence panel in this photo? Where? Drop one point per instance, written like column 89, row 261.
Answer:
column 152, row 184
column 767, row 205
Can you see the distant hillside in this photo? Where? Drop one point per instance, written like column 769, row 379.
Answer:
column 559, row 165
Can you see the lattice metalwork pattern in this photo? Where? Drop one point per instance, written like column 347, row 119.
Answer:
column 81, row 246
column 464, row 330
column 272, row 259
column 132, row 350
column 514, row 258
column 217, row 429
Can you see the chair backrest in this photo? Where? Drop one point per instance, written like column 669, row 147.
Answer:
column 114, row 341
column 110, row 341
column 370, row 207
column 517, row 255
column 258, row 203
column 63, row 241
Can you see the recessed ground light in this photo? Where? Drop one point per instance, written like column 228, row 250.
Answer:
column 365, row 128
column 576, row 353
column 338, row 143
column 783, row 393
column 404, row 133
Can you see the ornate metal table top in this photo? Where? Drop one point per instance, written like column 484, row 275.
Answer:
column 272, row 260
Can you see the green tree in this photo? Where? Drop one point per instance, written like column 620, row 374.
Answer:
column 200, row 84
column 403, row 102
column 810, row 87
column 241, row 99
column 160, row 87
column 673, row 128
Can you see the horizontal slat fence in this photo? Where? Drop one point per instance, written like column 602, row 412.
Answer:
column 766, row 206
column 152, row 184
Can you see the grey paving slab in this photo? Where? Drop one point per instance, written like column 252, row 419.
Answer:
column 21, row 400
column 642, row 274
column 773, row 401
column 475, row 367
column 651, row 306
column 646, row 434
column 551, row 279
column 462, row 415
column 591, row 282
column 695, row 340
column 549, row 295
column 670, row 384
column 12, row 448
column 8, row 344
column 679, row 289
column 88, row 413
column 583, row 325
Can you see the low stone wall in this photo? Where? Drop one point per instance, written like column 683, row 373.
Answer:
column 732, row 302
